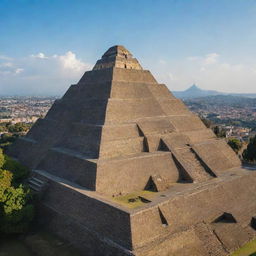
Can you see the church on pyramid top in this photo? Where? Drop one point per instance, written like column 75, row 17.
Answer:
column 119, row 57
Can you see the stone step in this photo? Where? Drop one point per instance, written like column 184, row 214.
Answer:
column 210, row 241
column 192, row 161
column 193, row 165
column 38, row 180
column 72, row 153
column 36, row 184
column 35, row 188
column 28, row 139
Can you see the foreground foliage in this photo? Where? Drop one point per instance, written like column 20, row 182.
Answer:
column 220, row 132
column 15, row 128
column 249, row 153
column 16, row 208
column 10, row 132
column 7, row 139
column 235, row 144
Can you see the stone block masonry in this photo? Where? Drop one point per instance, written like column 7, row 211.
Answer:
column 117, row 133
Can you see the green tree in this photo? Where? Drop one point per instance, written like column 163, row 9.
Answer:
column 5, row 182
column 235, row 144
column 3, row 128
column 19, row 171
column 19, row 127
column 16, row 208
column 6, row 139
column 249, row 153
column 219, row 131
column 16, row 211
column 206, row 122
column 2, row 158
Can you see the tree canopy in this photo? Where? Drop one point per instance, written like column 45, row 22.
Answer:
column 249, row 153
column 235, row 144
column 16, row 208
column 219, row 131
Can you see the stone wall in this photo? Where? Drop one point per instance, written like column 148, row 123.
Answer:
column 175, row 224
column 78, row 235
column 132, row 173
column 106, row 221
column 230, row 194
column 70, row 166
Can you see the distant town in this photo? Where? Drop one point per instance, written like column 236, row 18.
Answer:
column 24, row 109
column 235, row 115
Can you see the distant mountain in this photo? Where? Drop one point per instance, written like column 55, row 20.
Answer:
column 195, row 92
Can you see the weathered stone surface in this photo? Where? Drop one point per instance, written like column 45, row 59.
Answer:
column 119, row 57
column 118, row 132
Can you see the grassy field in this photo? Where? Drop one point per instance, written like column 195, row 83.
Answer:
column 248, row 250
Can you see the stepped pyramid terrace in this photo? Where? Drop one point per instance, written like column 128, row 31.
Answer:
column 124, row 168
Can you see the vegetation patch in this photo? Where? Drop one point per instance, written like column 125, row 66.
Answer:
column 136, row 199
column 10, row 132
column 16, row 202
column 249, row 153
column 235, row 144
column 248, row 249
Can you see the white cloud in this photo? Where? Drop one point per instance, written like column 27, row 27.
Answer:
column 8, row 68
column 171, row 76
column 69, row 61
column 211, row 58
column 210, row 71
column 3, row 57
column 191, row 58
column 163, row 62
column 6, row 64
column 40, row 55
column 208, row 59
column 18, row 70
column 40, row 74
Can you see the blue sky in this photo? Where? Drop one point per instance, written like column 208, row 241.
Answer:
column 47, row 45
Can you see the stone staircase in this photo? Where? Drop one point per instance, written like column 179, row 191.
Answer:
column 211, row 243
column 193, row 166
column 36, row 184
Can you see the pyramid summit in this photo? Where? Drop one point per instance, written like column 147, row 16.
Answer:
column 124, row 168
column 117, row 56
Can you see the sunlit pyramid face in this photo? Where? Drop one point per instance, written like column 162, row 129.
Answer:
column 119, row 135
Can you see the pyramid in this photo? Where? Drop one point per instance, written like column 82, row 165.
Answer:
column 118, row 132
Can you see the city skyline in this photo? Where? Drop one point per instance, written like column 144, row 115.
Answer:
column 46, row 46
